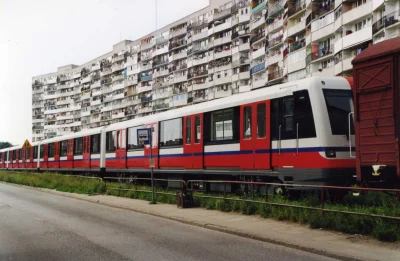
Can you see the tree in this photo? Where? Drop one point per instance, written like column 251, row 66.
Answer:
column 5, row 144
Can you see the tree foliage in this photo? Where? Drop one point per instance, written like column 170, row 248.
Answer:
column 5, row 144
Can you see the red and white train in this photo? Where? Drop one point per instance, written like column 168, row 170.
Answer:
column 296, row 132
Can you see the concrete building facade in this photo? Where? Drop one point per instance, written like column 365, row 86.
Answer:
column 225, row 49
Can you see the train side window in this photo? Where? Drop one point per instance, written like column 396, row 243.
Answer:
column 261, row 120
column 197, row 129
column 20, row 154
column 288, row 115
column 122, row 139
column 222, row 126
column 188, row 130
column 51, row 150
column 303, row 115
column 95, row 144
column 15, row 154
column 28, row 153
column 78, row 146
column 132, row 138
column 35, row 152
column 64, row 145
column 110, row 141
column 171, row 133
column 247, row 122
column 41, row 151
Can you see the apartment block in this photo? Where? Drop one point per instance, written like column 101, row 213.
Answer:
column 227, row 48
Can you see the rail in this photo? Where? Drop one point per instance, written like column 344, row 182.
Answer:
column 322, row 189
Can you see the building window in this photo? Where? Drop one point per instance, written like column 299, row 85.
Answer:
column 188, row 130
column 247, row 122
column 110, row 141
column 78, row 146
column 171, row 133
column 197, row 127
column 261, row 120
column 64, row 148
column 132, row 138
column 95, row 144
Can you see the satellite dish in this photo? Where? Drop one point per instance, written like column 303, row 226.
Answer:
column 280, row 64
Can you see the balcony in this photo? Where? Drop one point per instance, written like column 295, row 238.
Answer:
column 210, row 31
column 160, row 73
column 95, row 85
column 144, row 89
column 161, row 40
column 258, row 53
column 259, row 22
column 323, row 31
column 95, row 102
column 197, row 73
column 64, row 102
column 244, row 75
column 118, row 86
column 107, row 108
column 180, row 79
column 386, row 21
column 323, row 10
column 296, row 66
column 76, row 75
column 117, row 67
column 257, row 38
column 321, row 53
column 118, row 96
column 294, row 29
column 117, row 78
column 222, row 80
column 297, row 8
column 199, row 48
column 146, row 78
column 360, row 36
column 258, row 68
column 357, row 13
column 222, row 13
column 258, row 7
column 223, row 93
column 222, row 54
column 117, row 115
column 278, row 6
column 105, row 72
column 200, row 35
column 275, row 59
column 199, row 86
column 178, row 56
column 329, row 71
column 278, row 23
column 177, row 44
column 275, row 41
column 146, row 67
column 96, row 67
column 347, row 65
column 244, row 47
column 297, row 45
column 146, row 99
column 179, row 32
column 147, row 56
column 162, row 106
column 161, row 50
column 222, row 40
column 85, row 96
column 200, row 61
column 148, row 45
column 258, row 83
column 162, row 95
column 275, row 75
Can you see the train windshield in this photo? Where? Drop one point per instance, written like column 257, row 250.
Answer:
column 339, row 104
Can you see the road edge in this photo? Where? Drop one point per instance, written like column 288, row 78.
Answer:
column 193, row 223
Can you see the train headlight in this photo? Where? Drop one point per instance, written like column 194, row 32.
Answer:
column 330, row 153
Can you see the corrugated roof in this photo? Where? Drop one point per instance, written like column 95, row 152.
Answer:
column 380, row 49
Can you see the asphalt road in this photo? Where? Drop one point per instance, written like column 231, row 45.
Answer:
column 36, row 225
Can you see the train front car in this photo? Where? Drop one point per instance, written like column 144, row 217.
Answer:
column 310, row 133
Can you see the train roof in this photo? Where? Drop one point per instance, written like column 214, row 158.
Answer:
column 377, row 50
column 271, row 92
column 79, row 134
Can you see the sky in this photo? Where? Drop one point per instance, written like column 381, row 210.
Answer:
column 38, row 36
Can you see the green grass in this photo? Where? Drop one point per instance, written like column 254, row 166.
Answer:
column 373, row 203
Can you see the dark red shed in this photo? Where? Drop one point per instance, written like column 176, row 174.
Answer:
column 376, row 76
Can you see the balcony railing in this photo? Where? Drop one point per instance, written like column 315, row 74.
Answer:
column 174, row 45
column 197, row 73
column 146, row 99
column 297, row 45
column 322, row 53
column 161, row 40
column 258, row 7
column 323, row 10
column 386, row 21
column 221, row 14
column 258, row 68
column 298, row 7
column 275, row 75
column 275, row 41
column 146, row 78
column 275, row 8
column 257, row 38
column 161, row 106
column 239, row 5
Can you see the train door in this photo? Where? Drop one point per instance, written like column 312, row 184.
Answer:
column 193, row 142
column 86, row 152
column 45, row 156
column 154, row 146
column 57, row 155
column 255, row 142
column 120, row 150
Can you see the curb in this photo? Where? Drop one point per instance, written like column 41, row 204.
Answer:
column 197, row 224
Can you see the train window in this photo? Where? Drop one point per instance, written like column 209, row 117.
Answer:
column 35, row 152
column 15, row 154
column 132, row 138
column 339, row 104
column 188, row 130
column 51, row 148
column 261, row 120
column 20, row 154
column 78, row 146
column 222, row 126
column 171, row 133
column 64, row 145
column 197, row 128
column 95, row 144
column 288, row 115
column 28, row 153
column 110, row 141
column 41, row 151
column 247, row 122
column 122, row 139
column 303, row 114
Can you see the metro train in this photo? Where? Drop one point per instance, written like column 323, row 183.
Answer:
column 295, row 133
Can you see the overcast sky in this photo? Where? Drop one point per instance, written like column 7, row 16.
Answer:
column 37, row 36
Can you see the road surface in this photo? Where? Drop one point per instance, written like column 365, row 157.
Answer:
column 36, row 225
